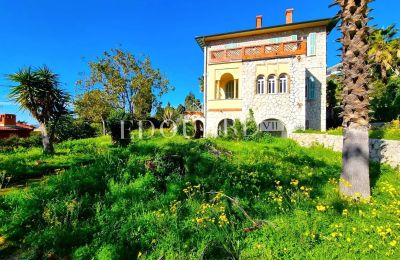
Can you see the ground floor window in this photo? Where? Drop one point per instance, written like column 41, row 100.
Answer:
column 224, row 125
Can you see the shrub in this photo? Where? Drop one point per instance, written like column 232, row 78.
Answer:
column 8, row 144
column 185, row 128
column 70, row 128
column 251, row 125
column 116, row 120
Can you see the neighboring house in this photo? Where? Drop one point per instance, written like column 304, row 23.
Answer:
column 279, row 72
column 10, row 127
column 335, row 70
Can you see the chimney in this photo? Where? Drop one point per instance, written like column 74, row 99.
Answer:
column 8, row 120
column 289, row 15
column 258, row 21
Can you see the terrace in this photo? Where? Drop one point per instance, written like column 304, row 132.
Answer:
column 265, row 51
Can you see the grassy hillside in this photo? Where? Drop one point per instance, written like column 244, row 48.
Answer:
column 185, row 199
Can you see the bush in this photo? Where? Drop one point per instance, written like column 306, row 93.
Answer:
column 115, row 121
column 185, row 128
column 8, row 144
column 70, row 128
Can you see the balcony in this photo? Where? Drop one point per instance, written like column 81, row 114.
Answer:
column 266, row 51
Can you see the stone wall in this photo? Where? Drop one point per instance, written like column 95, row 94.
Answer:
column 383, row 151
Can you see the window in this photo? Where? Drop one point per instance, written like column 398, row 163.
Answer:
column 272, row 84
column 283, row 83
column 310, row 88
column 261, row 84
column 224, row 125
column 229, row 93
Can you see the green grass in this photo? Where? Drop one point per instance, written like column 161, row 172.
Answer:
column 22, row 164
column 249, row 200
column 381, row 133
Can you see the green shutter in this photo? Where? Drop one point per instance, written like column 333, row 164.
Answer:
column 312, row 44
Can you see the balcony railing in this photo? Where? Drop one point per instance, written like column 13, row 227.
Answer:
column 266, row 51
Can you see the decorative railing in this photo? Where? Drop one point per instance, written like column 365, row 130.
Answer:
column 265, row 51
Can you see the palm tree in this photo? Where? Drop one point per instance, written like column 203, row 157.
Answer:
column 355, row 31
column 38, row 92
column 384, row 51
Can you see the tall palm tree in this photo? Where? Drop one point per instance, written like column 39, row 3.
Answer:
column 38, row 92
column 355, row 32
column 384, row 51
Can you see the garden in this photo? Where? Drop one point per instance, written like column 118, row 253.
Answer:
column 176, row 198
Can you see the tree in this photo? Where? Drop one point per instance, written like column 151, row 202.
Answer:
column 180, row 109
column 159, row 115
column 130, row 83
column 38, row 92
column 169, row 113
column 93, row 106
column 384, row 52
column 334, row 100
column 355, row 31
column 385, row 100
column 201, row 83
column 192, row 103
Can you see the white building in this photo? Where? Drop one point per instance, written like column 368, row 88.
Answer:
column 279, row 72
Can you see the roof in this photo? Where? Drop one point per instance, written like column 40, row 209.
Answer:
column 329, row 23
column 17, row 127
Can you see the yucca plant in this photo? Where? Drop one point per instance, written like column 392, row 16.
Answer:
column 355, row 33
column 38, row 92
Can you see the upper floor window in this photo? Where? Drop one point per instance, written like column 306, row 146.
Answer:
column 310, row 88
column 272, row 84
column 283, row 83
column 229, row 89
column 261, row 84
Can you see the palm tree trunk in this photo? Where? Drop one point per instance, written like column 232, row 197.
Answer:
column 355, row 175
column 46, row 140
column 355, row 31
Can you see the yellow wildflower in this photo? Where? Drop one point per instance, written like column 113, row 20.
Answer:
column 321, row 208
column 345, row 212
column 294, row 182
column 393, row 243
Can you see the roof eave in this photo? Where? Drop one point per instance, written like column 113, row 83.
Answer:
column 329, row 23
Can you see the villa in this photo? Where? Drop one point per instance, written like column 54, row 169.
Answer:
column 10, row 127
column 278, row 72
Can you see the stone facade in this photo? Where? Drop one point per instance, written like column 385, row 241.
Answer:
column 292, row 109
column 383, row 151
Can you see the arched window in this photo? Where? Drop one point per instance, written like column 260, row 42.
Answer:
column 283, row 83
column 261, row 84
column 272, row 84
column 229, row 93
column 224, row 125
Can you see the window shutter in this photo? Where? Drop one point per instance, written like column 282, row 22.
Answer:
column 312, row 44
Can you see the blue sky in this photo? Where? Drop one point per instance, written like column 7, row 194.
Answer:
column 65, row 35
